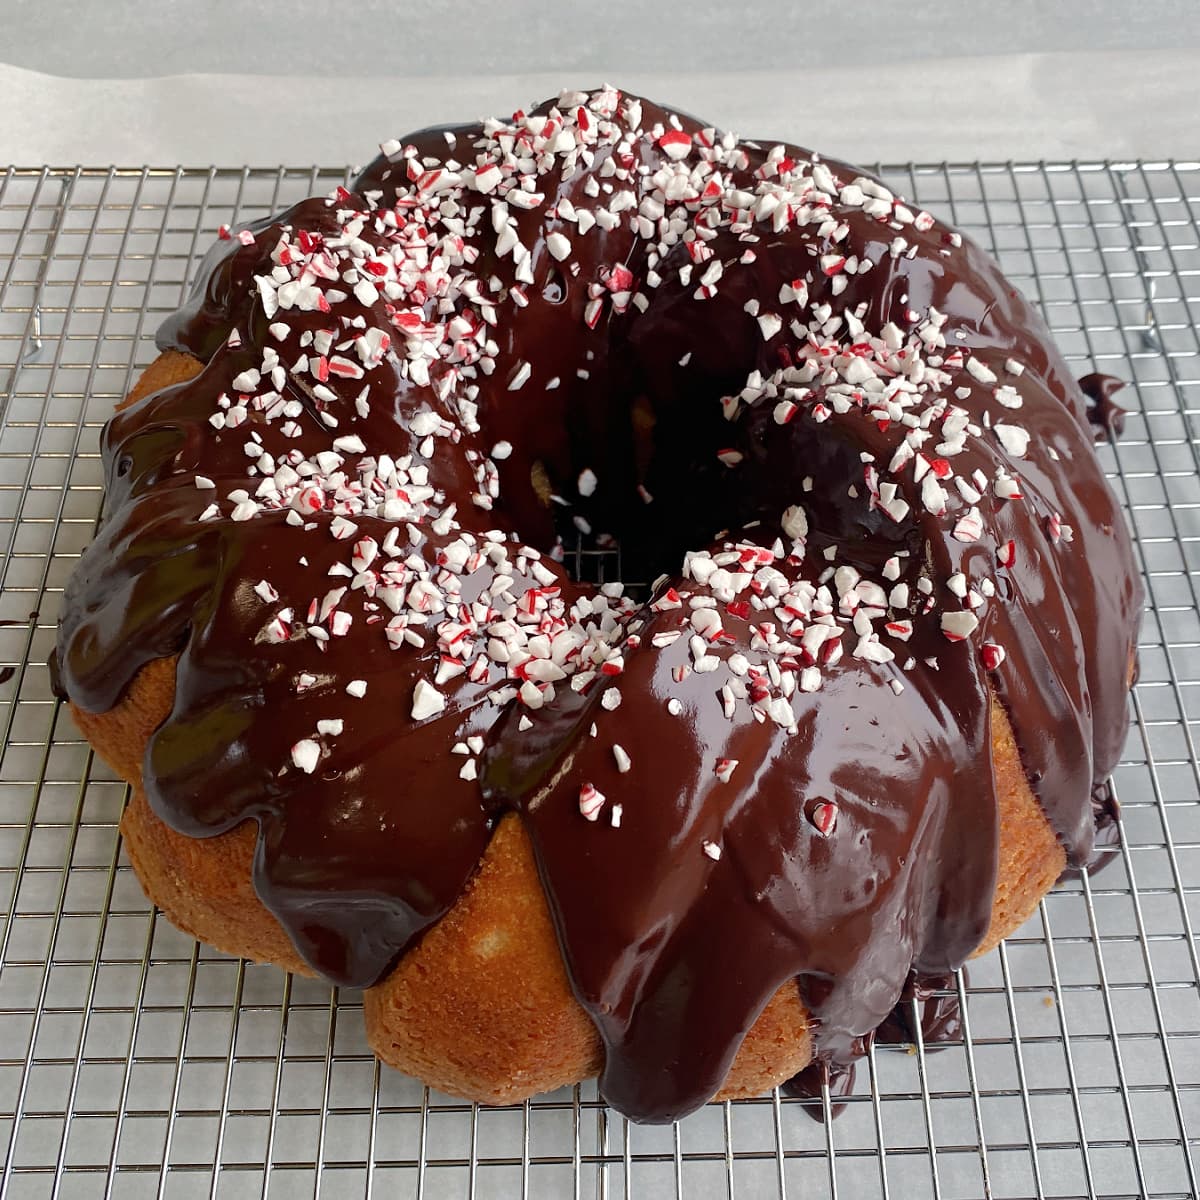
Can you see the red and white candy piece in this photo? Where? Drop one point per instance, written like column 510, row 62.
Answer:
column 992, row 655
column 823, row 815
column 957, row 626
column 591, row 801
column 675, row 144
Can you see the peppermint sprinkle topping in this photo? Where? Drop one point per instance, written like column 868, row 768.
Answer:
column 427, row 701
column 402, row 283
column 823, row 815
column 591, row 801
column 1013, row 438
column 306, row 754
column 959, row 625
column 992, row 655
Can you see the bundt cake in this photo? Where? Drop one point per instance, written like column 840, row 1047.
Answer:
column 693, row 840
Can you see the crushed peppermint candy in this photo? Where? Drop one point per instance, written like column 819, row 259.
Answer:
column 823, row 815
column 725, row 768
column 398, row 284
column 306, row 753
column 427, row 701
column 591, row 801
column 957, row 626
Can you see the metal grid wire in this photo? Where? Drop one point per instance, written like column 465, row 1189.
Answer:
column 134, row 1062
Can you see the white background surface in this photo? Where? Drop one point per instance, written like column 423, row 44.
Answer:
column 301, row 82
column 414, row 38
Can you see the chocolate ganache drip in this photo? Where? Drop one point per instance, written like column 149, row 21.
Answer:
column 1104, row 412
column 843, row 435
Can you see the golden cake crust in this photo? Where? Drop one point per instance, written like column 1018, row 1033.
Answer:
column 481, row 1006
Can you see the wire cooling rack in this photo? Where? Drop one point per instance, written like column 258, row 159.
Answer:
column 136, row 1063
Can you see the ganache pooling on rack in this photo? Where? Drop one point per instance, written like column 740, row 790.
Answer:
column 852, row 432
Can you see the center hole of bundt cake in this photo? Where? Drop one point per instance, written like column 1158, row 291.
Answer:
column 660, row 452
column 596, row 561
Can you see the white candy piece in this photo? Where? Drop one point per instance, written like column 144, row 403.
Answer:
column 427, row 701
column 306, row 754
column 559, row 246
column 795, row 522
column 1013, row 438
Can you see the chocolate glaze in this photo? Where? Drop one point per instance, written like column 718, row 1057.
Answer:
column 1103, row 411
column 1106, row 813
column 821, row 1075
column 928, row 1003
column 672, row 954
column 56, row 684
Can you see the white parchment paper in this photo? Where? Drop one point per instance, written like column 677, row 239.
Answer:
column 1110, row 104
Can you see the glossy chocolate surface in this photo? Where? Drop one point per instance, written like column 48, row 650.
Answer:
column 1103, row 410
column 928, row 1013
column 855, row 846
